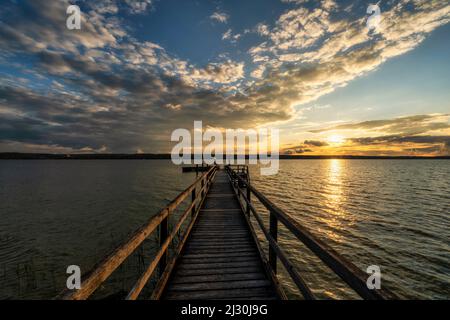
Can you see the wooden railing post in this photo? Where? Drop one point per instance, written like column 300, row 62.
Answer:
column 163, row 233
column 193, row 200
column 273, row 229
column 249, row 193
column 202, row 185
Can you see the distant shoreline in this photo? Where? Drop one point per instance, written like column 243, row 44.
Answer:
column 149, row 156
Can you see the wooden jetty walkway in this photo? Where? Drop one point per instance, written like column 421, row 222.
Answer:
column 221, row 259
column 219, row 255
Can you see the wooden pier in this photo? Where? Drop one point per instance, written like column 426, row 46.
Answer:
column 221, row 259
column 197, row 168
column 219, row 255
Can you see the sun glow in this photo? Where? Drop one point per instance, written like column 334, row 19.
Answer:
column 338, row 139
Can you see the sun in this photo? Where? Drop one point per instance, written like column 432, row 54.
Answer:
column 335, row 138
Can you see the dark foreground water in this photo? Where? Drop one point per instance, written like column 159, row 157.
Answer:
column 390, row 213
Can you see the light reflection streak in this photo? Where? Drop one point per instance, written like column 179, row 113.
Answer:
column 334, row 195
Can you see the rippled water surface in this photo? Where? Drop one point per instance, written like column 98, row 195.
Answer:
column 58, row 213
column 390, row 213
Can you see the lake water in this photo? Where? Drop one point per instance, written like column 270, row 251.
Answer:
column 390, row 213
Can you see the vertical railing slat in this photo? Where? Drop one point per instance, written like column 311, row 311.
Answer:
column 163, row 233
column 249, row 193
column 193, row 198
column 273, row 229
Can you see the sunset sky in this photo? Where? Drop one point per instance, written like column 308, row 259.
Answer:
column 137, row 70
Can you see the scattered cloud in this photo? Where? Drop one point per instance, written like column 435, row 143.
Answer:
column 262, row 29
column 316, row 143
column 228, row 35
column 311, row 53
column 113, row 6
column 220, row 17
column 417, row 124
column 139, row 6
column 427, row 134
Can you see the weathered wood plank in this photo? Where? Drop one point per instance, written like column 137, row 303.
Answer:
column 217, row 247
column 217, row 271
column 208, row 238
column 211, row 265
column 231, row 243
column 219, row 225
column 200, row 231
column 219, row 277
column 221, row 242
column 219, row 255
column 210, row 235
column 221, row 285
column 221, row 251
column 261, row 293
column 195, row 261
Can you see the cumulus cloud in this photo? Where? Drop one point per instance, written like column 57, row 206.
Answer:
column 40, row 25
column 122, row 93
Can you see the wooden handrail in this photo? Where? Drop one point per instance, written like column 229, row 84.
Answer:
column 346, row 270
column 157, row 292
column 300, row 283
column 137, row 288
column 102, row 271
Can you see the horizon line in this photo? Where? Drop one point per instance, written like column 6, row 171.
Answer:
column 118, row 156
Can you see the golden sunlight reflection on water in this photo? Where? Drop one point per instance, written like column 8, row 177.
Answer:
column 391, row 213
column 334, row 197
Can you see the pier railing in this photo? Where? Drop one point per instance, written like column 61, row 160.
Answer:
column 347, row 271
column 196, row 194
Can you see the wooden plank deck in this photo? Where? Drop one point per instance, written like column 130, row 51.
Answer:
column 220, row 259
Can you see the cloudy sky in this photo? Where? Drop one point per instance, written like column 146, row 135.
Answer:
column 137, row 70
